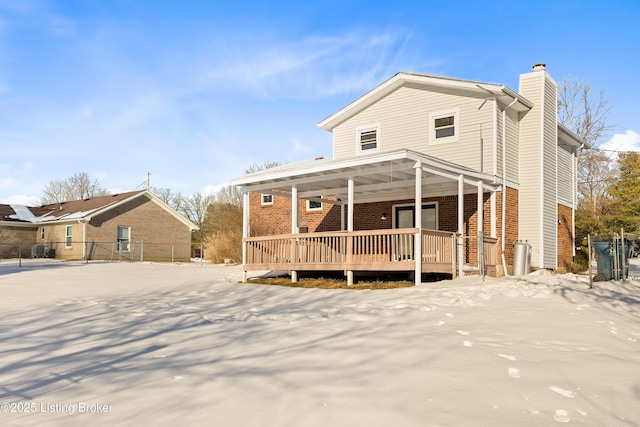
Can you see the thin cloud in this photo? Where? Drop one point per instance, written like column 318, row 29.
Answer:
column 317, row 66
column 628, row 141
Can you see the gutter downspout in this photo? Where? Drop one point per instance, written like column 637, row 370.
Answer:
column 504, row 184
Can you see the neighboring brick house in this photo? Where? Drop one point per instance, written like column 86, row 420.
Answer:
column 447, row 144
column 101, row 227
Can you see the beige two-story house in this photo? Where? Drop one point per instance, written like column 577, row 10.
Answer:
column 488, row 167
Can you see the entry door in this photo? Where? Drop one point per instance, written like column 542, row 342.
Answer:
column 405, row 216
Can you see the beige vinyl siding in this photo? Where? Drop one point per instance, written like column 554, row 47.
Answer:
column 403, row 120
column 550, row 175
column 565, row 177
column 529, row 194
column 538, row 169
column 513, row 145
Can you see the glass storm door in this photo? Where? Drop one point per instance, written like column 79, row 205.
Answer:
column 405, row 216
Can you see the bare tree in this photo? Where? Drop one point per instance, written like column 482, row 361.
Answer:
column 587, row 114
column 195, row 207
column 77, row 187
column 256, row 167
column 175, row 200
column 229, row 195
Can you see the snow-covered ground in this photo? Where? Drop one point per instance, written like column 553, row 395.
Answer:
column 162, row 344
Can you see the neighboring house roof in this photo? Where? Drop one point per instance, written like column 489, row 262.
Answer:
column 425, row 81
column 80, row 210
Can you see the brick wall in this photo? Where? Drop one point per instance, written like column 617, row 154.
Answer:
column 565, row 237
column 55, row 238
column 9, row 248
column 149, row 223
column 273, row 219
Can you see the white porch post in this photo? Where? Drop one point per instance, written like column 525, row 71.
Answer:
column 460, row 224
column 294, row 229
column 418, row 222
column 480, row 228
column 245, row 231
column 349, row 254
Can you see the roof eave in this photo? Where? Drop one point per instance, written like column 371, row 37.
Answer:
column 571, row 138
column 490, row 90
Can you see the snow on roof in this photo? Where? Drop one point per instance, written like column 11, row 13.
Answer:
column 22, row 213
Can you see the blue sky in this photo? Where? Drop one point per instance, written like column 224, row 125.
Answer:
column 196, row 91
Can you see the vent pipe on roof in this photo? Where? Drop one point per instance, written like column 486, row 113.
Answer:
column 538, row 67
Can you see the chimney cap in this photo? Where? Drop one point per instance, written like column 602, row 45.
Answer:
column 538, row 67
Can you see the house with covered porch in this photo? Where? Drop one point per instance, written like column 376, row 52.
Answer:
column 486, row 165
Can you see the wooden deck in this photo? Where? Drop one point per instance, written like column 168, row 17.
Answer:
column 371, row 250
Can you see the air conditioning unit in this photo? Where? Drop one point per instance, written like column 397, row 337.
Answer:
column 38, row 251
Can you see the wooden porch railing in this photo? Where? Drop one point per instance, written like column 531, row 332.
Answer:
column 370, row 250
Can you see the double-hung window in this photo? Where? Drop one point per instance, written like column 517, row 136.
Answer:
column 444, row 126
column 124, row 234
column 266, row 199
column 368, row 139
column 68, row 239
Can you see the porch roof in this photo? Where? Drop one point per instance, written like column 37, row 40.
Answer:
column 377, row 177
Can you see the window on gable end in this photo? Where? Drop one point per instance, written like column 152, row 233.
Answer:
column 444, row 127
column 368, row 139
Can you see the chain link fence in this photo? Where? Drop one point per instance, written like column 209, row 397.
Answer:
column 128, row 251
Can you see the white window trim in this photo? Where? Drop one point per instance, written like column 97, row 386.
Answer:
column 455, row 112
column 68, row 244
column 436, row 204
column 359, row 131
column 128, row 239
column 310, row 209
column 262, row 202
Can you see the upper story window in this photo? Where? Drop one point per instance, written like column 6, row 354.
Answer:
column 266, row 199
column 444, row 126
column 42, row 234
column 368, row 139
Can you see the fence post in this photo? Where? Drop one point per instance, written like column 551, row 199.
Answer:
column 201, row 254
column 589, row 260
column 623, row 255
column 172, row 253
column 142, row 251
column 19, row 254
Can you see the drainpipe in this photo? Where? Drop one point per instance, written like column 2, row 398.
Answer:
column 504, row 183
